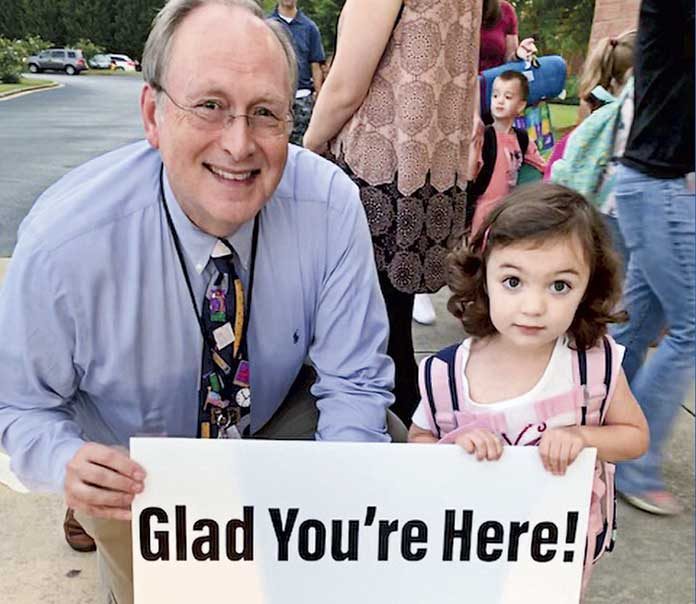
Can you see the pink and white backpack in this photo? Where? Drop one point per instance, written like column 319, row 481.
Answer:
column 595, row 374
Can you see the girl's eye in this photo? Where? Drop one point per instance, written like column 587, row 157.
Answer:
column 511, row 282
column 560, row 287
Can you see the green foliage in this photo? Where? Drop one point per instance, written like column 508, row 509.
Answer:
column 89, row 48
column 559, row 27
column 112, row 26
column 11, row 61
column 32, row 45
column 572, row 89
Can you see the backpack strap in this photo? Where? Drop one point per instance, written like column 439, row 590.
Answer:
column 596, row 371
column 438, row 385
column 522, row 140
column 489, row 153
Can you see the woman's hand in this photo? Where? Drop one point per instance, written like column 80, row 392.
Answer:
column 559, row 447
column 482, row 443
column 526, row 49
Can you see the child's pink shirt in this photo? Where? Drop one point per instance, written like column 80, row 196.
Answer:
column 508, row 162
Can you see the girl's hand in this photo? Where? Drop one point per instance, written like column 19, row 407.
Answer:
column 559, row 447
column 482, row 443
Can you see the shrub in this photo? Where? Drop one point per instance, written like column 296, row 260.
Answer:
column 32, row 45
column 11, row 61
column 88, row 48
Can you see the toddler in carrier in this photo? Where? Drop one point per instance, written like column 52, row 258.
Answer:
column 535, row 291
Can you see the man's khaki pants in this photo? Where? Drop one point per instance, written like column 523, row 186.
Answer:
column 296, row 419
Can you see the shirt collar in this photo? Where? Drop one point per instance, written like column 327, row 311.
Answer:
column 298, row 16
column 197, row 244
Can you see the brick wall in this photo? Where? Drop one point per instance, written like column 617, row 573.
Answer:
column 613, row 17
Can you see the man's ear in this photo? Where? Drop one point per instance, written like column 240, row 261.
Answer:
column 148, row 112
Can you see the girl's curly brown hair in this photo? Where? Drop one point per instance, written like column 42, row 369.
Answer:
column 537, row 213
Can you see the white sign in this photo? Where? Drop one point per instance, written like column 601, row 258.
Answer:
column 271, row 522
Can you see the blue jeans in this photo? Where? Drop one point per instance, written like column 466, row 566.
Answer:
column 657, row 220
column 617, row 240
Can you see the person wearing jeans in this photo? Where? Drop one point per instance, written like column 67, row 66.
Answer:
column 655, row 203
column 657, row 222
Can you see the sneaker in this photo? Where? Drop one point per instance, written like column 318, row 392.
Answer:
column 661, row 503
column 75, row 535
column 423, row 310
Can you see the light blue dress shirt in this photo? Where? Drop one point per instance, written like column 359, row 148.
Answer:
column 99, row 340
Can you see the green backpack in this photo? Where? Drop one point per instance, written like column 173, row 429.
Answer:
column 589, row 151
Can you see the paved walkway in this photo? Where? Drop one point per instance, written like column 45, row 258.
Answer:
column 653, row 561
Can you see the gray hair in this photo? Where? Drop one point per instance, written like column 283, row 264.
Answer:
column 164, row 25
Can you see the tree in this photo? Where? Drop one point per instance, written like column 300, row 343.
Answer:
column 559, row 26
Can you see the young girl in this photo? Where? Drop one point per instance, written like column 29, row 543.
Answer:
column 607, row 67
column 606, row 82
column 538, row 283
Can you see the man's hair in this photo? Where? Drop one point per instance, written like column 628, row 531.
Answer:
column 165, row 24
column 536, row 214
column 510, row 75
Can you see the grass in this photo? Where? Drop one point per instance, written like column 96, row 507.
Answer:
column 24, row 83
column 563, row 118
column 112, row 72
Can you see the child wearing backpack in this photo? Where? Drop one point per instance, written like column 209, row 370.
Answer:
column 586, row 158
column 496, row 157
column 535, row 291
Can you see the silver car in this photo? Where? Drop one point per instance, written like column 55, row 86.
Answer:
column 100, row 62
column 69, row 60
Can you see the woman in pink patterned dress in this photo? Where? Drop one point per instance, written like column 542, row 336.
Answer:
column 394, row 112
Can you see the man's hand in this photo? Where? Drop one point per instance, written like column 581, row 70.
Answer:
column 102, row 481
column 559, row 447
column 482, row 443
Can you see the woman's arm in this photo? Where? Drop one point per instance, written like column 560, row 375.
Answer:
column 512, row 41
column 365, row 29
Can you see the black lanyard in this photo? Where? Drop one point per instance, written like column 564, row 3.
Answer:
column 180, row 254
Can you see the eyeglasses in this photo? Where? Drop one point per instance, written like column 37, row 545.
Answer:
column 210, row 115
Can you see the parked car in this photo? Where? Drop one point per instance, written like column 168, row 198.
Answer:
column 100, row 62
column 69, row 60
column 122, row 62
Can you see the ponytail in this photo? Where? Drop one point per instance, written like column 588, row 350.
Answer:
column 608, row 65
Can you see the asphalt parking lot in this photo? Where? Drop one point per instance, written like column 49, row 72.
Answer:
column 46, row 133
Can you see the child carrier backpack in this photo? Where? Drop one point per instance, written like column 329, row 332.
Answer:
column 595, row 373
column 589, row 151
column 489, row 152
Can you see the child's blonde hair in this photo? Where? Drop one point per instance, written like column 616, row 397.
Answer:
column 608, row 65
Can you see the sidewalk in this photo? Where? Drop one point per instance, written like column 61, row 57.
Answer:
column 653, row 562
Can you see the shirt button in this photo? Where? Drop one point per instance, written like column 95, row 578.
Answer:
column 199, row 268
